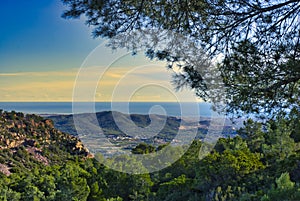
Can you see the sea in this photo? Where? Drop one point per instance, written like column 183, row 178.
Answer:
column 163, row 108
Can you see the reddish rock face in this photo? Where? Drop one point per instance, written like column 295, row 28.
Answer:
column 5, row 169
column 33, row 132
column 49, row 123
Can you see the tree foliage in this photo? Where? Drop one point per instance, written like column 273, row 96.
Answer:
column 258, row 40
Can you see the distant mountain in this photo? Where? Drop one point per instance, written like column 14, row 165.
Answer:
column 139, row 131
column 106, row 120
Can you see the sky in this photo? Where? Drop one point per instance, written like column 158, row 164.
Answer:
column 42, row 55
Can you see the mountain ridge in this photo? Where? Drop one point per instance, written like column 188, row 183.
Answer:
column 130, row 135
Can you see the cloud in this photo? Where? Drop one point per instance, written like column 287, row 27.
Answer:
column 59, row 85
column 9, row 74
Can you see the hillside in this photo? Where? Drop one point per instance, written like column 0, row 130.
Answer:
column 40, row 163
column 30, row 140
column 107, row 123
column 127, row 140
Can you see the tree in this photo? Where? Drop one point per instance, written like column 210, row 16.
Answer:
column 294, row 118
column 176, row 189
column 253, row 133
column 279, row 145
column 231, row 166
column 8, row 194
column 285, row 189
column 126, row 186
column 72, row 183
column 143, row 148
column 258, row 40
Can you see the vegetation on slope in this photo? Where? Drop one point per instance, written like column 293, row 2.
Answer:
column 262, row 163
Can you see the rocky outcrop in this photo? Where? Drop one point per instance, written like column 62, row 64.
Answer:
column 5, row 169
column 36, row 138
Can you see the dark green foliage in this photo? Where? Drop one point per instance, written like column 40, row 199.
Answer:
column 143, row 148
column 72, row 184
column 261, row 83
column 254, row 135
column 295, row 124
column 284, row 189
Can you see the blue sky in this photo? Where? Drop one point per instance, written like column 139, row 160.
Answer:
column 41, row 55
column 34, row 37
